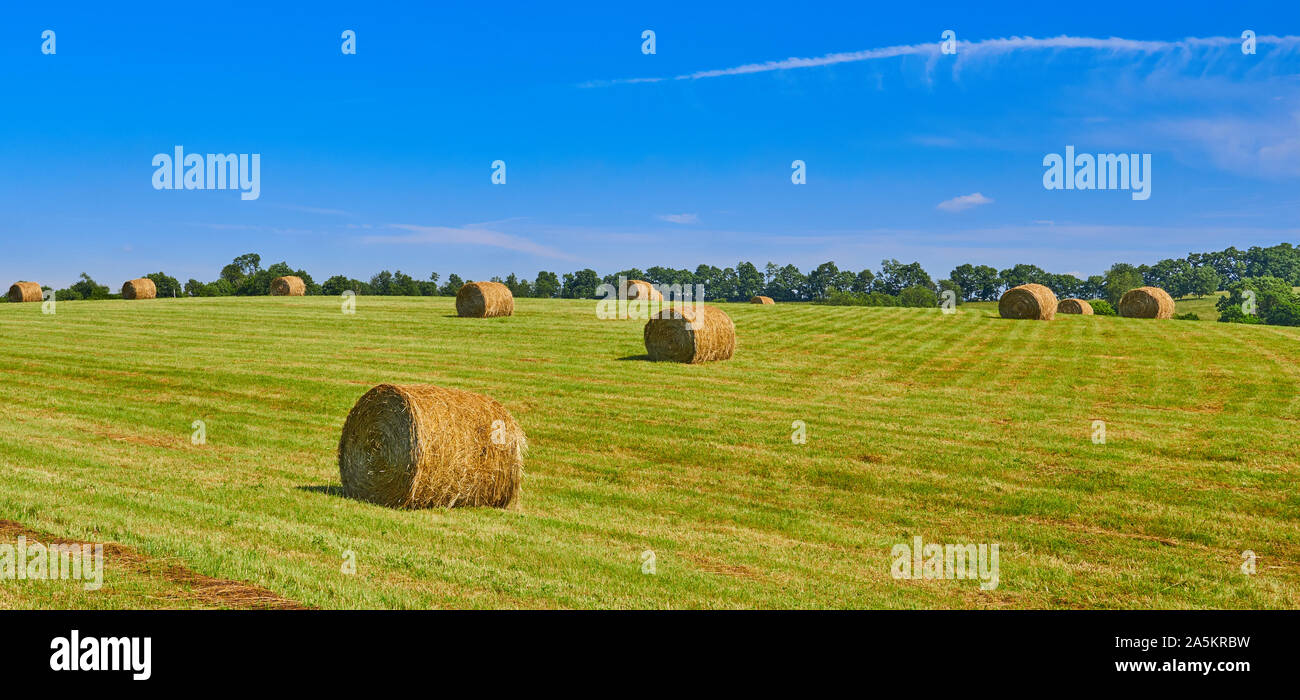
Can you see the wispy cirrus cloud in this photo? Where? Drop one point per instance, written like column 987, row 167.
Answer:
column 970, row 49
column 964, row 202
column 472, row 234
column 680, row 218
column 315, row 210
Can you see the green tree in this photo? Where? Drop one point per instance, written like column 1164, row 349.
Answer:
column 547, row 285
column 786, row 284
column 167, row 286
column 453, row 285
column 822, row 280
column 749, row 281
column 918, row 297
column 581, row 284
column 1120, row 278
column 1203, row 281
column 88, row 288
column 894, row 277
column 949, row 285
column 862, row 282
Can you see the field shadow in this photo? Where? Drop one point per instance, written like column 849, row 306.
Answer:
column 636, row 358
column 330, row 490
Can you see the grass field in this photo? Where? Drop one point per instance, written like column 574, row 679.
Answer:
column 959, row 429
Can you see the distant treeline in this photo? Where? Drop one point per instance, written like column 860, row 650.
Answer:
column 894, row 284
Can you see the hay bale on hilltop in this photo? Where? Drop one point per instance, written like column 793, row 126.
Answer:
column 1146, row 302
column 761, row 300
column 641, row 290
column 422, row 446
column 1028, row 301
column 1074, row 306
column 691, row 333
column 142, row 288
column 24, row 291
column 288, row 286
column 484, row 300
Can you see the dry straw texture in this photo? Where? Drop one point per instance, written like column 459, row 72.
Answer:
column 421, row 446
column 484, row 300
column 288, row 286
column 142, row 288
column 1028, row 301
column 1146, row 302
column 1074, row 306
column 762, row 300
column 25, row 291
column 641, row 290
column 691, row 333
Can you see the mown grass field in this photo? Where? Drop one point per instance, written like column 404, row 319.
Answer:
column 960, row 429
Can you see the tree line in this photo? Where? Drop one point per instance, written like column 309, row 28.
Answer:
column 893, row 283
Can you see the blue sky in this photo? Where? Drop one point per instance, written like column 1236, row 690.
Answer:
column 382, row 159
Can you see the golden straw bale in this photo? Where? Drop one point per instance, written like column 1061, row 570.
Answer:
column 1032, row 301
column 25, row 291
column 640, row 290
column 142, row 288
column 288, row 286
column 484, row 300
column 691, row 333
column 1146, row 302
column 1074, row 306
column 762, row 300
column 423, row 446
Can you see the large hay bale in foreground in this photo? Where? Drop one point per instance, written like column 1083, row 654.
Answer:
column 142, row 288
column 484, row 300
column 690, row 333
column 288, row 286
column 422, row 446
column 1032, row 301
column 761, row 300
column 1074, row 306
column 1146, row 302
column 25, row 291
column 641, row 290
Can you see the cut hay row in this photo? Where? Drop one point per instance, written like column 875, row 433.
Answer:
column 288, row 286
column 24, row 292
column 1028, row 301
column 142, row 288
column 484, row 300
column 1074, row 306
column 423, row 446
column 1146, row 302
column 691, row 333
column 762, row 300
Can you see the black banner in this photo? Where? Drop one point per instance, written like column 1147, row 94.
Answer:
column 174, row 648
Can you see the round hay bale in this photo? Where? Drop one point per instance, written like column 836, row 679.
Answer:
column 761, row 300
column 1074, row 306
column 142, row 288
column 640, row 290
column 1032, row 301
column 422, row 446
column 1146, row 302
column 24, row 291
column 288, row 286
column 691, row 333
column 484, row 300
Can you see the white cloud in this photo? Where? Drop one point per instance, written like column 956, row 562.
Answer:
column 316, row 210
column 472, row 234
column 680, row 218
column 968, row 49
column 963, row 202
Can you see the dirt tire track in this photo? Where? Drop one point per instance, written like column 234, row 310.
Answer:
column 198, row 589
